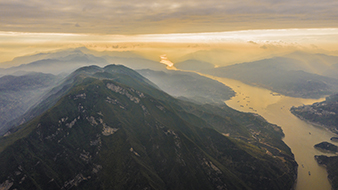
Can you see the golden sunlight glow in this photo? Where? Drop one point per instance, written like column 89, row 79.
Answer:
column 271, row 35
column 218, row 48
column 166, row 61
column 277, row 35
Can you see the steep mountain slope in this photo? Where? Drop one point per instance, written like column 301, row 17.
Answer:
column 19, row 93
column 282, row 75
column 190, row 85
column 51, row 97
column 113, row 130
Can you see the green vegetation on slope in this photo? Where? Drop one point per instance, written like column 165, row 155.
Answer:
column 106, row 134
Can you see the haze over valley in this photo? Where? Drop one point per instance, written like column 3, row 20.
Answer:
column 169, row 95
column 199, row 98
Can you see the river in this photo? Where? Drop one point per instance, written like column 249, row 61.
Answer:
column 300, row 136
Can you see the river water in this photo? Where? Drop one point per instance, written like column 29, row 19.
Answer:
column 300, row 136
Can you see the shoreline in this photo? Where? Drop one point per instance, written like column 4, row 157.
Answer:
column 319, row 125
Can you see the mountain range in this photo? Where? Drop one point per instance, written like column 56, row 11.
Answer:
column 283, row 75
column 67, row 61
column 298, row 74
column 111, row 128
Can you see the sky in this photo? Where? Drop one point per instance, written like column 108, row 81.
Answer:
column 259, row 28
column 164, row 16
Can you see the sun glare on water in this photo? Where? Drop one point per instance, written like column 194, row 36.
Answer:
column 166, row 61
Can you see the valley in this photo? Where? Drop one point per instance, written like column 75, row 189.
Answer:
column 111, row 128
column 300, row 136
column 168, row 95
column 193, row 106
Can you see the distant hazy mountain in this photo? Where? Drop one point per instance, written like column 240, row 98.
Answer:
column 282, row 75
column 332, row 71
column 213, row 56
column 19, row 93
column 26, row 59
column 321, row 64
column 136, row 62
column 111, row 128
column 66, row 61
column 194, row 65
column 53, row 55
column 189, row 85
column 126, row 58
column 314, row 63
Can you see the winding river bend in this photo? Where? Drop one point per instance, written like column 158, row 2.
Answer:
column 300, row 136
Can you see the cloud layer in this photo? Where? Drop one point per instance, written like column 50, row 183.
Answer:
column 163, row 16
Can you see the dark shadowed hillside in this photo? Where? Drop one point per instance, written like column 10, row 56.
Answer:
column 112, row 129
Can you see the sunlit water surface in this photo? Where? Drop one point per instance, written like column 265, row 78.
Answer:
column 300, row 136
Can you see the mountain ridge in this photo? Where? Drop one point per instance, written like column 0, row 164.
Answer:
column 104, row 133
column 282, row 75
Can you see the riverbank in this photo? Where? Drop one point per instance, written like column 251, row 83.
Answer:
column 322, row 126
column 300, row 136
